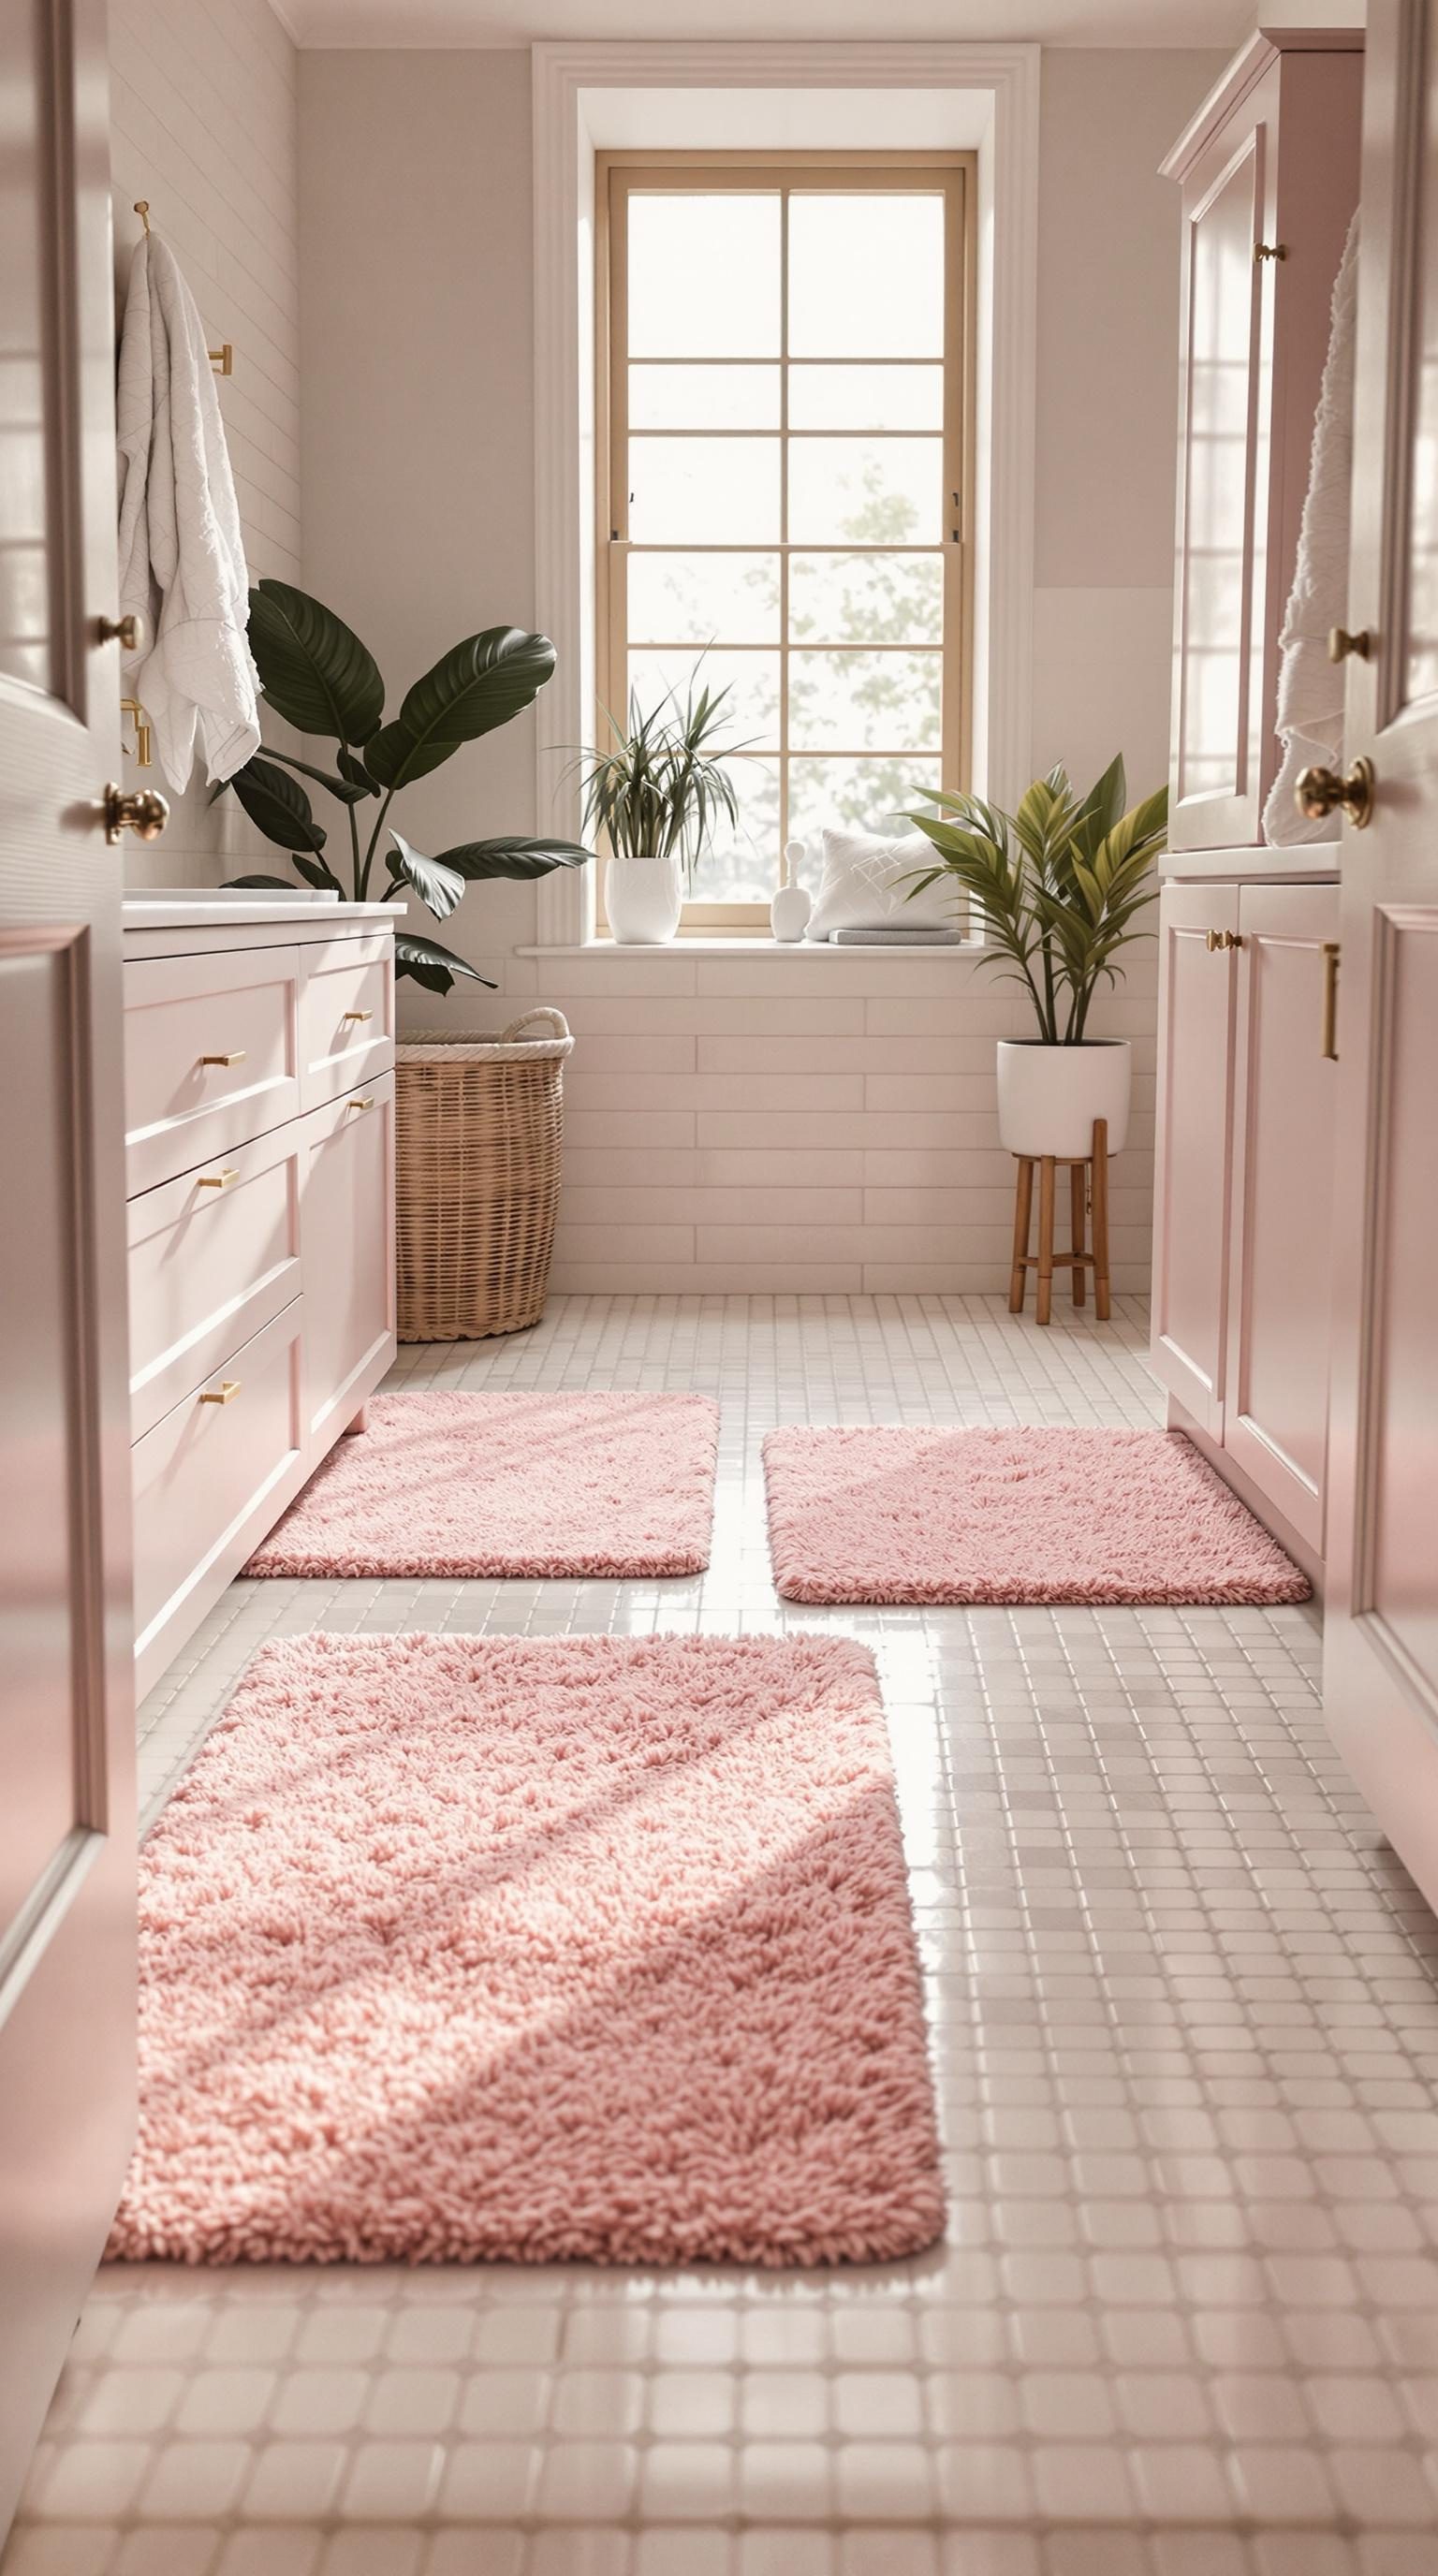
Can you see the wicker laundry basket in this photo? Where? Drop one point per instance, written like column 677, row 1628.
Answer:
column 478, row 1135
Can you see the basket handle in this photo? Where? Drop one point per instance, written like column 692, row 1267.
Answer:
column 558, row 1024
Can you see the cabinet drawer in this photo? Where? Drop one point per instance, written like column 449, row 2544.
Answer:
column 211, row 1056
column 213, row 1256
column 207, row 1472
column 346, row 1015
column 347, row 1233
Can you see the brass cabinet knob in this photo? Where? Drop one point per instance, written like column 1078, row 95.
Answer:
column 1270, row 250
column 127, row 632
column 145, row 813
column 1322, row 791
column 1223, row 939
column 1341, row 644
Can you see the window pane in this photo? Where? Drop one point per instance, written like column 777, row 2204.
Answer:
column 866, row 398
column 707, row 398
column 863, row 701
column 751, row 711
column 863, row 795
column 866, row 599
column 704, row 599
column 704, row 276
column 742, row 866
column 866, row 491
column 704, row 491
column 866, row 276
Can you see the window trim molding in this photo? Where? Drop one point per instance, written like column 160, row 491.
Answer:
column 564, row 158
column 880, row 171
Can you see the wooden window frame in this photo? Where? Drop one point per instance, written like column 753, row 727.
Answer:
column 618, row 175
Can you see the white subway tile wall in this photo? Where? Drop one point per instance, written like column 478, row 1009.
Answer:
column 203, row 125
column 1185, row 2034
column 817, row 1123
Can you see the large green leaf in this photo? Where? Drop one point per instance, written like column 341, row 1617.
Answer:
column 479, row 685
column 315, row 873
column 438, row 886
column 313, row 668
column 429, row 964
column 355, row 774
column 512, row 856
column 277, row 805
column 343, row 788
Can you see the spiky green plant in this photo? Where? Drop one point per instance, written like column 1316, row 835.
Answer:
column 660, row 788
column 1059, row 885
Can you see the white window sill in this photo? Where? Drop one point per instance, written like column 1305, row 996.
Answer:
column 720, row 947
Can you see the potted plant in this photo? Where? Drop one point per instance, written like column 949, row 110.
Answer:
column 319, row 677
column 655, row 795
column 1060, row 885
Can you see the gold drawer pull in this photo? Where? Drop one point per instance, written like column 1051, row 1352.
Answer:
column 359, row 1015
column 366, row 1103
column 224, row 1393
column 217, row 1180
column 237, row 1058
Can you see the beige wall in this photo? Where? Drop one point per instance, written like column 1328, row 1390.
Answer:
column 754, row 1121
column 1107, row 405
column 203, row 124
column 417, row 446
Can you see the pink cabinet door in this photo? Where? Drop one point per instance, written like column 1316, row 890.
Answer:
column 213, row 1256
column 1276, row 1411
column 347, row 1255
column 210, row 1478
column 346, row 1015
column 1381, row 1608
column 1195, row 1097
column 210, row 1055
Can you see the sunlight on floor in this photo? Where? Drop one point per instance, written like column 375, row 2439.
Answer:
column 1183, row 2013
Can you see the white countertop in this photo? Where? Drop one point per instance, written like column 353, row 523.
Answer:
column 188, row 912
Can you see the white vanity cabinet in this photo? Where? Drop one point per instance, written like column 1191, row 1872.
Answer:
column 259, row 1112
column 1243, row 1223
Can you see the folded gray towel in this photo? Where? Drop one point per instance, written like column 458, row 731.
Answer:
column 896, row 938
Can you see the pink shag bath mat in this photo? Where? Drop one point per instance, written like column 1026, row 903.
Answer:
column 460, row 1949
column 881, row 1514
column 472, row 1485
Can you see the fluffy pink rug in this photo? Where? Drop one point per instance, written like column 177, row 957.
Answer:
column 880, row 1514
column 617, row 1485
column 463, row 1949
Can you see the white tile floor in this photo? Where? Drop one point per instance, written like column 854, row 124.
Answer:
column 1186, row 2031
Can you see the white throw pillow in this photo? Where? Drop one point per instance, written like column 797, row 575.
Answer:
column 864, row 885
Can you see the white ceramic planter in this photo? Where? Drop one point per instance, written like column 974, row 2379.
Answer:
column 643, row 899
column 1049, row 1096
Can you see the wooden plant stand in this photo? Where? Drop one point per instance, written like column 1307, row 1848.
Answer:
column 1091, row 1191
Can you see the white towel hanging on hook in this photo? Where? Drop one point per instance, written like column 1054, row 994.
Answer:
column 182, row 556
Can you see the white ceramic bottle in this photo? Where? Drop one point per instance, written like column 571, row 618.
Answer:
column 790, row 909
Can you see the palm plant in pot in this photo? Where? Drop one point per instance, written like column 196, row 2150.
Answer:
column 318, row 676
column 1060, row 885
column 656, row 794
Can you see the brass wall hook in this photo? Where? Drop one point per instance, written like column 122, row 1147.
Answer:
column 143, row 753
column 221, row 359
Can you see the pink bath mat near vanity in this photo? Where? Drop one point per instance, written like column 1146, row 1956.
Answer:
column 493, row 1485
column 467, row 1949
column 880, row 1513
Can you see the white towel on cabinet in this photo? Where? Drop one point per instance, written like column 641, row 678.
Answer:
column 182, row 555
column 1310, row 687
